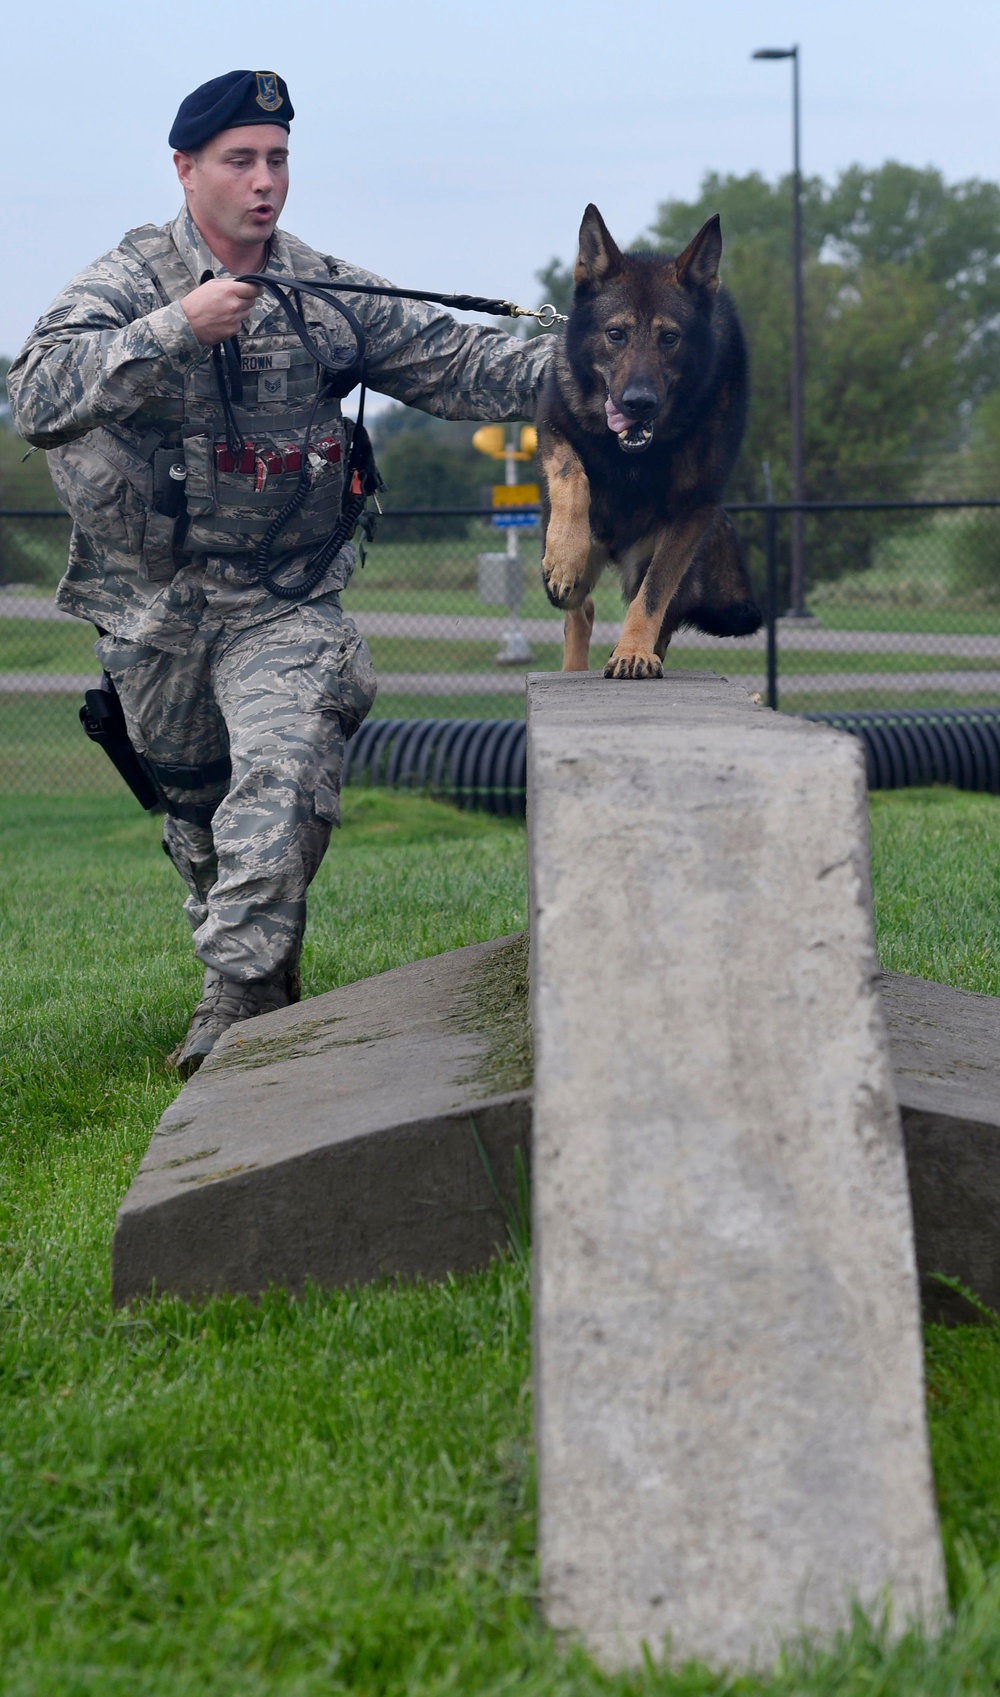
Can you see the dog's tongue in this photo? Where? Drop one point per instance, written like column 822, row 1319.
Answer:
column 617, row 421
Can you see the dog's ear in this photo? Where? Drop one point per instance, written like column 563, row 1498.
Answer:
column 600, row 257
column 698, row 265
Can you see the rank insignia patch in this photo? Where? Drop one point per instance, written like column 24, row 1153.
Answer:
column 272, row 386
column 268, row 93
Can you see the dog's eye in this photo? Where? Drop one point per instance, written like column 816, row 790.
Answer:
column 614, row 334
column 669, row 338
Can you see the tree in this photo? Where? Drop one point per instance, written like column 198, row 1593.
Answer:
column 902, row 318
column 897, row 297
column 422, row 471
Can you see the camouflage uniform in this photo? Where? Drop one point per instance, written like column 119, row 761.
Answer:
column 207, row 662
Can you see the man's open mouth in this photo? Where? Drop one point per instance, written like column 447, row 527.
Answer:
column 632, row 436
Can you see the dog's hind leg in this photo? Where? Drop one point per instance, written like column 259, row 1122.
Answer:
column 638, row 652
column 577, row 629
column 716, row 596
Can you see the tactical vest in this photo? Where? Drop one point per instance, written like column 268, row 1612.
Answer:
column 106, row 479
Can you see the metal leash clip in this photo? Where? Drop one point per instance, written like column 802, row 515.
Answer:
column 547, row 315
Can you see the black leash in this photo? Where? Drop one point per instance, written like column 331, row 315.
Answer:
column 361, row 478
column 546, row 315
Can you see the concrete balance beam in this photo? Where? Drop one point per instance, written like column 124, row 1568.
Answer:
column 729, row 1394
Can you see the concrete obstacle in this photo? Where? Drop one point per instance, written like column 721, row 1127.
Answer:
column 202, row 1216
column 728, row 1371
column 945, row 1047
column 347, row 1139
column 729, row 1396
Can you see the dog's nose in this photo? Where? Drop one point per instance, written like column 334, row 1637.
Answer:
column 640, row 402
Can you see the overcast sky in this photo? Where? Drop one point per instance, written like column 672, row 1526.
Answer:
column 453, row 145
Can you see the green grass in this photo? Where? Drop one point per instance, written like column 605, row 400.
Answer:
column 47, row 645
column 793, row 700
column 336, row 1493
column 392, row 706
column 949, row 621
column 936, row 885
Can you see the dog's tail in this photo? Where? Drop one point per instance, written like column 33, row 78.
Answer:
column 716, row 595
column 734, row 618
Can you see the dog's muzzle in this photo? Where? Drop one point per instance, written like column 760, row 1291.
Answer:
column 633, row 434
column 635, row 438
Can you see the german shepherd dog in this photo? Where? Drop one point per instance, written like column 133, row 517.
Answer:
column 640, row 423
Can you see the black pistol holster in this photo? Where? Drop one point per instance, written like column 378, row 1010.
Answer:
column 103, row 720
column 169, row 478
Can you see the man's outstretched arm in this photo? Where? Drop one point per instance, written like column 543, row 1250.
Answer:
column 421, row 355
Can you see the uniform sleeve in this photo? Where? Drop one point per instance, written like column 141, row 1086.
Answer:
column 421, row 355
column 96, row 355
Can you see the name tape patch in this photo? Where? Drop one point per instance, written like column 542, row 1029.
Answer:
column 252, row 363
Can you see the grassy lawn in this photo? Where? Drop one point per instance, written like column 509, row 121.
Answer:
column 950, row 621
column 336, row 1493
column 794, row 700
column 47, row 645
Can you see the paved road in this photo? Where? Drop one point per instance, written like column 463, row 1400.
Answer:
column 448, row 627
column 804, row 683
column 512, row 683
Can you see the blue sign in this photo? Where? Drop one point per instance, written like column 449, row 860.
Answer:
column 510, row 521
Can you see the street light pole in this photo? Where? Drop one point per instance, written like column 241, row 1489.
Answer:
column 797, row 584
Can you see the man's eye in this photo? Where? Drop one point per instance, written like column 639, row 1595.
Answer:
column 669, row 338
column 615, row 335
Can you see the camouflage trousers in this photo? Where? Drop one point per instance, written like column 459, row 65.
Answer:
column 275, row 701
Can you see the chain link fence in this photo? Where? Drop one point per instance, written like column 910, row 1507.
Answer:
column 904, row 605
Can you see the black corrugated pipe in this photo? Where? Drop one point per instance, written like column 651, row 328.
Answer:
column 475, row 762
column 925, row 745
column 482, row 763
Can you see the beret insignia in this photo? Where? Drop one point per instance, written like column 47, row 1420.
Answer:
column 268, row 92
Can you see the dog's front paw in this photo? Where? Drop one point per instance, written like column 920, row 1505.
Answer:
column 633, row 663
column 564, row 587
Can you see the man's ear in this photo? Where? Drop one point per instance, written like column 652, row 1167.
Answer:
column 599, row 257
column 698, row 265
column 184, row 164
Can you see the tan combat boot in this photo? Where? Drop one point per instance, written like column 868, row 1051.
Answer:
column 223, row 1002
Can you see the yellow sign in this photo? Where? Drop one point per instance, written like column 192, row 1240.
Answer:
column 491, row 439
column 515, row 494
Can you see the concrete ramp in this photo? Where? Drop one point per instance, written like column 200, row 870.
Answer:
column 343, row 1140
column 728, row 1369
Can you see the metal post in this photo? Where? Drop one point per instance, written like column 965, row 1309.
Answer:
column 771, row 588
column 514, row 649
column 797, row 585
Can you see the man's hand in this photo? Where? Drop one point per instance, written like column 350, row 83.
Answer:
column 216, row 310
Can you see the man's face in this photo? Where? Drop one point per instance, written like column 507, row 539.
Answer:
column 237, row 183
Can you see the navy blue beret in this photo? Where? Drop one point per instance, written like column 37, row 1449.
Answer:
column 240, row 97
